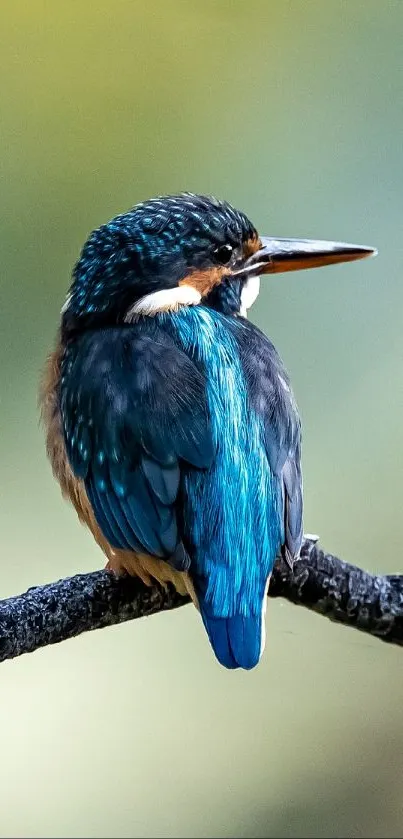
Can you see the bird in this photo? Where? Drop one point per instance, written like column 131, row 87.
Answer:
column 170, row 421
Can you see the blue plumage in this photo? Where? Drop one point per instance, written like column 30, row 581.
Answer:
column 169, row 412
column 234, row 514
column 143, row 404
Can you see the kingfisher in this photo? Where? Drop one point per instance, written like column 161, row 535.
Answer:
column 170, row 420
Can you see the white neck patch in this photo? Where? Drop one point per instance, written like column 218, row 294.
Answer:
column 166, row 300
column 249, row 294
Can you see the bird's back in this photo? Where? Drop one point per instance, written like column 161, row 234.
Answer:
column 233, row 513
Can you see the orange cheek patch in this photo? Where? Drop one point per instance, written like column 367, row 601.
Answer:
column 251, row 246
column 204, row 281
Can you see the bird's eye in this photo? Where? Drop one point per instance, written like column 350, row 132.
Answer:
column 223, row 254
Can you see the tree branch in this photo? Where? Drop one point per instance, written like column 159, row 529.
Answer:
column 321, row 582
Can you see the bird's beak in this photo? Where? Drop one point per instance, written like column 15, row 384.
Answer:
column 277, row 255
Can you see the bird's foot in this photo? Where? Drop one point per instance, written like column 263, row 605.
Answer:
column 123, row 563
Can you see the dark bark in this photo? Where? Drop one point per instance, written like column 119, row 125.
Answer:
column 321, row 582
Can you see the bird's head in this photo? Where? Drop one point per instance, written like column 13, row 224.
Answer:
column 178, row 251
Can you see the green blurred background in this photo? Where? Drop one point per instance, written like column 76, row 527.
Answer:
column 293, row 111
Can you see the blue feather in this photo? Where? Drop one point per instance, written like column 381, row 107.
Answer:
column 163, row 481
column 233, row 515
column 236, row 641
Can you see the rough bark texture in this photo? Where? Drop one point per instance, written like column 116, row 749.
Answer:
column 321, row 582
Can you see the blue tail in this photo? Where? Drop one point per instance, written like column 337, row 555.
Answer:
column 236, row 641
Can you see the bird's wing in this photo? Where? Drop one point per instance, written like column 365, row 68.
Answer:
column 272, row 399
column 134, row 414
